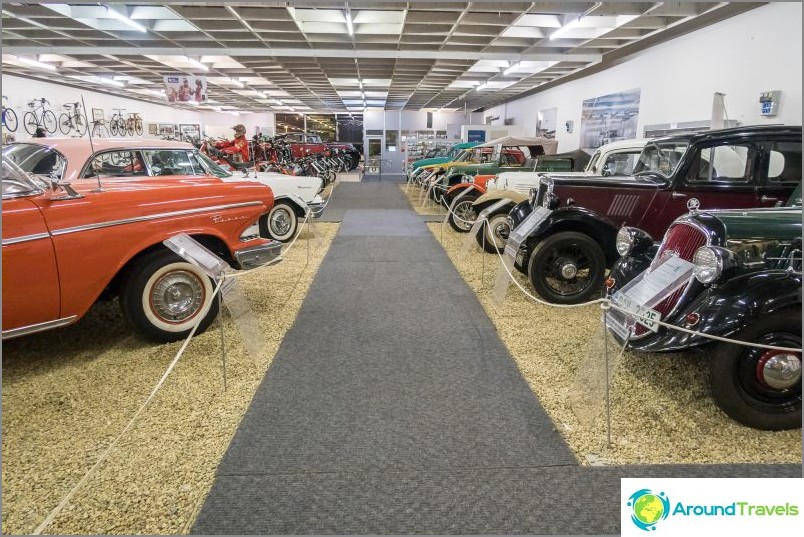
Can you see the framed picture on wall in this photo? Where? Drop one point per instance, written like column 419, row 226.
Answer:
column 97, row 114
column 190, row 130
column 153, row 128
column 167, row 129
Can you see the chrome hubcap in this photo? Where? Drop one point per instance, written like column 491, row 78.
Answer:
column 568, row 271
column 779, row 370
column 501, row 232
column 280, row 222
column 465, row 212
column 177, row 296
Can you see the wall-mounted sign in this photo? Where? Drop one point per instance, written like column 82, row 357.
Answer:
column 477, row 136
column 186, row 88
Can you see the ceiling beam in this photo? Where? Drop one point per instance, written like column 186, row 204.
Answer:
column 306, row 52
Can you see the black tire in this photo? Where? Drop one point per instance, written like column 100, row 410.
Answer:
column 281, row 223
column 466, row 212
column 496, row 232
column 50, row 121
column 64, row 123
column 141, row 284
column 30, row 123
column 736, row 384
column 10, row 120
column 80, row 124
column 557, row 257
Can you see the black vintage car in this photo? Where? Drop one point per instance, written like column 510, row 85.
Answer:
column 738, row 275
column 567, row 253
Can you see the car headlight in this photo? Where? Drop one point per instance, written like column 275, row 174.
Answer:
column 711, row 261
column 632, row 241
column 466, row 179
column 251, row 232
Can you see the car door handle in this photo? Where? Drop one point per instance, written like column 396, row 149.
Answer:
column 765, row 199
column 677, row 195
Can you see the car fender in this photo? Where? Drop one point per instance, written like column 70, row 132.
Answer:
column 493, row 196
column 454, row 190
column 298, row 204
column 728, row 308
column 581, row 220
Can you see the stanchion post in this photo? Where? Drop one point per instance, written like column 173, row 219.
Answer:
column 605, row 307
column 483, row 253
column 220, row 324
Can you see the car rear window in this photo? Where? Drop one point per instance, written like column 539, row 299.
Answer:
column 120, row 163
column 37, row 160
column 173, row 162
column 784, row 163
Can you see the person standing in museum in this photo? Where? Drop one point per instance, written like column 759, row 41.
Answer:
column 199, row 91
column 238, row 146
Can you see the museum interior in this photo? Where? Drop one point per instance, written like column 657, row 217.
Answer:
column 398, row 267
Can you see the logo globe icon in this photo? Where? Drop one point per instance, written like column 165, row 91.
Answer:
column 648, row 508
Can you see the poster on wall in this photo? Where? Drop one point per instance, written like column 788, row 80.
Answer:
column 186, row 88
column 546, row 122
column 167, row 129
column 609, row 118
column 190, row 132
column 153, row 128
column 476, row 136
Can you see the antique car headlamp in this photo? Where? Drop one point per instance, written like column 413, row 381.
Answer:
column 466, row 179
column 251, row 232
column 632, row 241
column 710, row 262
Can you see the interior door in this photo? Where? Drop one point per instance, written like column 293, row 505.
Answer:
column 31, row 292
column 373, row 147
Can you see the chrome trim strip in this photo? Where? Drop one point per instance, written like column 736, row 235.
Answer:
column 99, row 225
column 39, row 327
column 26, row 238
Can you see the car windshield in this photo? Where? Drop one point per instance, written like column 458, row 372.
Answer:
column 37, row 160
column 660, row 158
column 213, row 167
column 16, row 182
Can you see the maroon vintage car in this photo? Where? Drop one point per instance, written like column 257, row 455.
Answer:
column 566, row 253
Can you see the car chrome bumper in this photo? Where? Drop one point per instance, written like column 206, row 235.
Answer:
column 256, row 256
column 318, row 205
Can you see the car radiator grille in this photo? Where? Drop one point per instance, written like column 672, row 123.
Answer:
column 682, row 240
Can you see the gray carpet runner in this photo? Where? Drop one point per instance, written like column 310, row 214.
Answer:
column 393, row 407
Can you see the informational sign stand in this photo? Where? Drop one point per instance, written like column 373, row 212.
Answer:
column 230, row 294
column 502, row 280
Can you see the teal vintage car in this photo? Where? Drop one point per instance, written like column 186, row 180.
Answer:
column 449, row 156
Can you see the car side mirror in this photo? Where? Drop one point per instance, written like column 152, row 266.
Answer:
column 606, row 172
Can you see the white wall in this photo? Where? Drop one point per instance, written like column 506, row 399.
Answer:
column 21, row 90
column 742, row 57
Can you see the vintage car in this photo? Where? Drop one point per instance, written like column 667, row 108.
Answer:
column 728, row 273
column 66, row 246
column 451, row 155
column 74, row 159
column 614, row 159
column 474, row 188
column 568, row 250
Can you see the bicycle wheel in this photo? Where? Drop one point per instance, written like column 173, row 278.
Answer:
column 65, row 124
column 49, row 119
column 130, row 127
column 80, row 124
column 113, row 126
column 138, row 127
column 121, row 126
column 30, row 122
column 10, row 119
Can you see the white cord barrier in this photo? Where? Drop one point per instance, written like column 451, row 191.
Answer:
column 609, row 304
column 56, row 510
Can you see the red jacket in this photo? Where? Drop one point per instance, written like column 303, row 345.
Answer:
column 238, row 145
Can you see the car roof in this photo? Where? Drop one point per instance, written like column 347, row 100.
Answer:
column 694, row 137
column 83, row 145
column 623, row 144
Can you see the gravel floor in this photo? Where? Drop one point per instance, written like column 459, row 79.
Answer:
column 416, row 195
column 661, row 407
column 68, row 393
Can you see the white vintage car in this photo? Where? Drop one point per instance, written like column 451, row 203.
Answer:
column 294, row 195
column 614, row 159
column 109, row 159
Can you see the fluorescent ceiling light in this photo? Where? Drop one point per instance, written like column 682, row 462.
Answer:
column 513, row 68
column 349, row 24
column 196, row 63
column 34, row 63
column 110, row 82
column 236, row 83
column 564, row 29
column 482, row 86
column 119, row 16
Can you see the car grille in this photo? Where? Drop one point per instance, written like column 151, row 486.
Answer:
column 681, row 239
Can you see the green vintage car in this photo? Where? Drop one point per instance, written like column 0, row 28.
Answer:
column 451, row 155
column 508, row 154
column 743, row 283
